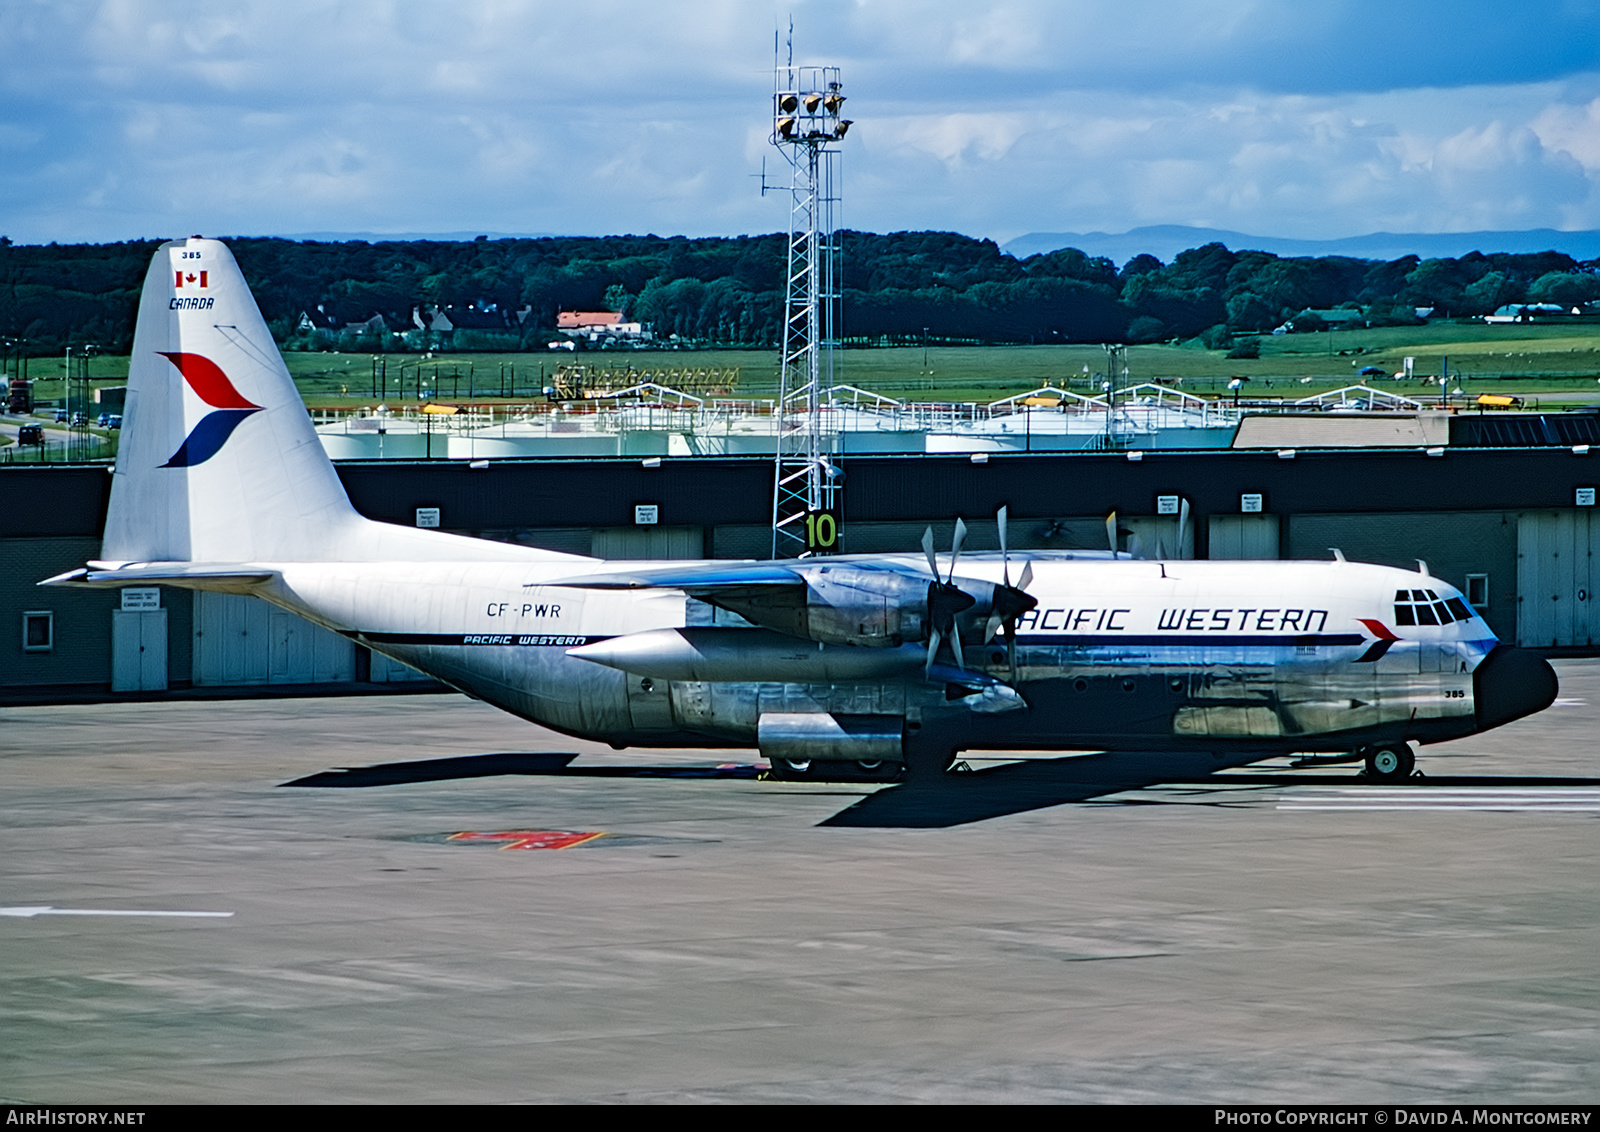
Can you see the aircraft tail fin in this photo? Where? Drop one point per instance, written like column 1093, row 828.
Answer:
column 218, row 460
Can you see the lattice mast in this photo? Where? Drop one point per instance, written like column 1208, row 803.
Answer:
column 806, row 124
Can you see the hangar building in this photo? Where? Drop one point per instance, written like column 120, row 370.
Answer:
column 1504, row 510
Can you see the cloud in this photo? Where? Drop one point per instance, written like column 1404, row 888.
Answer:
column 138, row 117
column 951, row 138
column 1571, row 129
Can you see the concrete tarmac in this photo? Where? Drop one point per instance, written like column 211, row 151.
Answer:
column 1067, row 929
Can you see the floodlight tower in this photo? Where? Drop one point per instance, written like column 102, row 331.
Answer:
column 806, row 125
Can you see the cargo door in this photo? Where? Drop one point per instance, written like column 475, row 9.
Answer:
column 650, row 703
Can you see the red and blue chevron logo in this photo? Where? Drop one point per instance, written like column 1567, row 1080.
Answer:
column 212, row 386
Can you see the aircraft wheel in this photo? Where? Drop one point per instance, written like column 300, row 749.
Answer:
column 790, row 770
column 1390, row 763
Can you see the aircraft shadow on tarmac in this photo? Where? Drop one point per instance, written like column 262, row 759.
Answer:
column 928, row 801
column 487, row 766
column 1034, row 784
column 934, row 801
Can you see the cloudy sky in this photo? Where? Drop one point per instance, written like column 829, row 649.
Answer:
column 138, row 118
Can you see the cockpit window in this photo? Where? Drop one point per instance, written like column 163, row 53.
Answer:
column 1425, row 607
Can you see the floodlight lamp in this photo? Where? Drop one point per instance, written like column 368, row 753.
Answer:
column 832, row 102
column 787, row 102
column 786, row 128
column 841, row 128
column 812, row 102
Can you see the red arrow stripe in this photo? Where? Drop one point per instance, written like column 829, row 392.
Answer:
column 1378, row 629
column 206, row 378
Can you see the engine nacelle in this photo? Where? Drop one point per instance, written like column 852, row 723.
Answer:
column 848, row 604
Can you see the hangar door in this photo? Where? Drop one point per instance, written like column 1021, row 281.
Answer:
column 1555, row 578
column 243, row 640
column 648, row 542
column 139, row 650
column 1243, row 536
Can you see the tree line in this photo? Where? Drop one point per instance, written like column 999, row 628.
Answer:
column 897, row 287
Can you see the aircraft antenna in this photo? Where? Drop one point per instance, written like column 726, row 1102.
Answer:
column 807, row 124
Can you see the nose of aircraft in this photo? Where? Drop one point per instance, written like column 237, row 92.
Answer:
column 1512, row 683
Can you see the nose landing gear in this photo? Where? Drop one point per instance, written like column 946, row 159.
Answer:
column 1390, row 762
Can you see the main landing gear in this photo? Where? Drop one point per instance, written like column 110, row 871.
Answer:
column 1390, row 762
column 834, row 770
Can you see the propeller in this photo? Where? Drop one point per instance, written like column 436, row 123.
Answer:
column 1009, row 602
column 1135, row 549
column 945, row 599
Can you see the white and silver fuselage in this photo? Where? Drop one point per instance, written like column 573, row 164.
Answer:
column 1291, row 655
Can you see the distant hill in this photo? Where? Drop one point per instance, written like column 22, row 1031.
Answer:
column 1166, row 240
column 412, row 237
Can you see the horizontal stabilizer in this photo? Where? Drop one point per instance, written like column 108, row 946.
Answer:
column 218, row 577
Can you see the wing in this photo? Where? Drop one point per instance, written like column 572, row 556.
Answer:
column 708, row 576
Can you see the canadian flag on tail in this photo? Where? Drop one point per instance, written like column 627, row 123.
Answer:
column 190, row 279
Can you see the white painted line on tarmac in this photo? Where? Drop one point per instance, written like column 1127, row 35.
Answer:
column 29, row 911
column 1553, row 799
column 1498, row 807
column 1582, row 793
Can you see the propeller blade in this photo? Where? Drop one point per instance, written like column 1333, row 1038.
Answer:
column 955, row 647
column 1135, row 547
column 1185, row 532
column 1005, row 559
column 1011, row 648
column 933, row 651
column 1027, row 577
column 927, row 548
column 992, row 626
column 955, row 550
column 1111, row 531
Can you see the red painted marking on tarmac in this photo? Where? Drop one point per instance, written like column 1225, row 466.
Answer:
column 530, row 838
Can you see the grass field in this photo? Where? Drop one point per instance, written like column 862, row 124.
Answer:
column 1557, row 364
